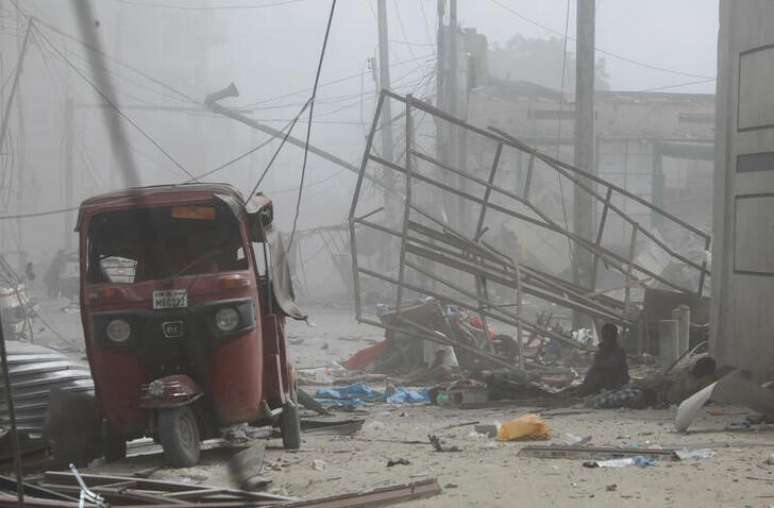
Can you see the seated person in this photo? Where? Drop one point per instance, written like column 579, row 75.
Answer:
column 609, row 369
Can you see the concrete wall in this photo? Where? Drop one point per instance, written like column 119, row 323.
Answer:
column 743, row 252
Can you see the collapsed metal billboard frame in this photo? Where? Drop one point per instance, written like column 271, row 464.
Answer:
column 440, row 244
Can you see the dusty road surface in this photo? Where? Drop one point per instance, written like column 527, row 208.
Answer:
column 486, row 472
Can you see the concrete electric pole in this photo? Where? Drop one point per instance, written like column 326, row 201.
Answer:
column 583, row 215
column 388, row 151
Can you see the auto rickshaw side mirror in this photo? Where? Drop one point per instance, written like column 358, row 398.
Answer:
column 260, row 212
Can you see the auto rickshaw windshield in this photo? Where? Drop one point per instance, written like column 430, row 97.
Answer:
column 156, row 243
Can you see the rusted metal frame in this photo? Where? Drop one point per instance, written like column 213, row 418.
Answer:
column 505, row 317
column 475, row 199
column 488, row 190
column 369, row 214
column 632, row 251
column 528, row 181
column 453, row 240
column 406, row 207
column 56, row 479
column 551, row 226
column 443, row 115
column 547, row 221
column 353, row 206
column 519, row 334
column 502, row 316
column 631, row 221
column 514, row 142
column 564, row 286
column 607, row 255
column 549, row 281
column 600, row 233
column 481, row 287
column 700, row 290
column 503, row 278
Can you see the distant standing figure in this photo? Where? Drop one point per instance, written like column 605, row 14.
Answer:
column 609, row 369
column 29, row 273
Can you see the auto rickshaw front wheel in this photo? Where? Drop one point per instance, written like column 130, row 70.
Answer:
column 179, row 436
column 290, row 426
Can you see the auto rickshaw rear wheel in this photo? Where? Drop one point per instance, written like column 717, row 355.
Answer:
column 113, row 443
column 290, row 426
column 179, row 436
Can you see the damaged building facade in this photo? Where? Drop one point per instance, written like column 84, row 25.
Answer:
column 743, row 252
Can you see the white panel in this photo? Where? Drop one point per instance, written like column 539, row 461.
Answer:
column 754, row 248
column 756, row 95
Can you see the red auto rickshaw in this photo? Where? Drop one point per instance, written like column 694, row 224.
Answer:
column 184, row 294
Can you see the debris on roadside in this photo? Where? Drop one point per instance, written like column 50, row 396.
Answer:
column 398, row 462
column 596, row 453
column 526, row 428
column 701, row 453
column 638, row 460
column 440, row 446
column 245, row 467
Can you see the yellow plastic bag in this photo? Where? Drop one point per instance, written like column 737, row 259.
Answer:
column 521, row 429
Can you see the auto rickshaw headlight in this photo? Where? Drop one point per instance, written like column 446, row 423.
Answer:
column 118, row 330
column 226, row 319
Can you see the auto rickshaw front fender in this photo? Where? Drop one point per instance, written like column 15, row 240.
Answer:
column 169, row 392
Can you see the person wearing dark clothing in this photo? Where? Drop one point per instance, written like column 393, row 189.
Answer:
column 609, row 369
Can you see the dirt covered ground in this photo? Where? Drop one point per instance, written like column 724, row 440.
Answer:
column 485, row 472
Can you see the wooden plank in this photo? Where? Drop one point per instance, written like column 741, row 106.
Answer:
column 379, row 497
column 594, row 453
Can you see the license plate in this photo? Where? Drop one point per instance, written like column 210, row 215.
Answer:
column 172, row 329
column 170, row 299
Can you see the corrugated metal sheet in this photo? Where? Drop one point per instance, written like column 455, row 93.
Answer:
column 36, row 370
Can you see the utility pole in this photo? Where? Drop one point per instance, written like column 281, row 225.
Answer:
column 388, row 151
column 118, row 140
column 69, row 180
column 583, row 204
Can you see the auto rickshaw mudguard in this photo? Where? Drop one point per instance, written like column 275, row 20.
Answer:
column 169, row 392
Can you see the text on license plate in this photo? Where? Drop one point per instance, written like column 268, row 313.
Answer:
column 170, row 299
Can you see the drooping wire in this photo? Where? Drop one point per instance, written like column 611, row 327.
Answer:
column 111, row 103
column 570, row 253
column 597, row 49
column 309, row 125
column 279, row 148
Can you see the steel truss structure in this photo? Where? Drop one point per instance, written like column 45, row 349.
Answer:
column 433, row 237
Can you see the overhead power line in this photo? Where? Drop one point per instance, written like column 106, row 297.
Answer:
column 112, row 104
column 160, row 5
column 309, row 125
column 597, row 49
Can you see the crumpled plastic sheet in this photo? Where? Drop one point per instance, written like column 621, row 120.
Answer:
column 357, row 394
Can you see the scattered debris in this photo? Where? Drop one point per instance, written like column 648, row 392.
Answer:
column 246, row 466
column 595, row 453
column 527, row 427
column 734, row 388
column 319, row 465
column 701, row 453
column 398, row 462
column 489, row 430
column 378, row 497
column 334, row 427
column 573, row 440
column 611, row 488
column 638, row 460
column 440, row 446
